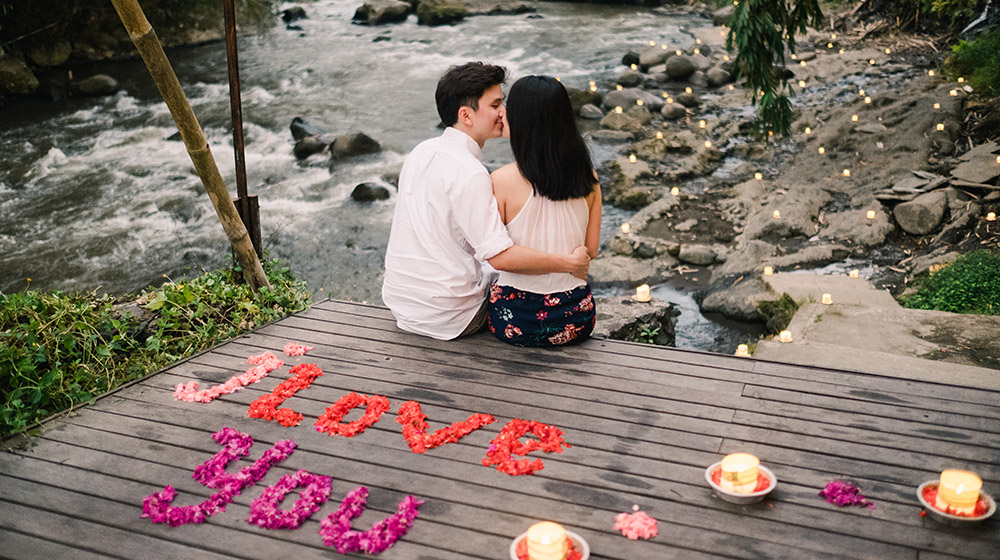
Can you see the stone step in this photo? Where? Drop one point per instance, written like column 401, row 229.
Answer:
column 807, row 288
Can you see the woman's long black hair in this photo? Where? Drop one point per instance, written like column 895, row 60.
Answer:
column 546, row 143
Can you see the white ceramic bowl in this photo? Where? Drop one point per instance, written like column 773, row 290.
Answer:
column 736, row 497
column 954, row 520
column 578, row 543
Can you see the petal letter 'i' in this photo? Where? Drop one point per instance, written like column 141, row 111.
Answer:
column 212, row 473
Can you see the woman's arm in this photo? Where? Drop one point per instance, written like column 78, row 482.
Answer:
column 593, row 239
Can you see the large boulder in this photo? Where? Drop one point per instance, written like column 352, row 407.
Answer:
column 50, row 54
column 701, row 255
column 590, row 112
column 626, row 99
column 15, row 77
column 629, row 79
column 368, row 192
column 377, row 12
column 652, row 57
column 354, row 144
column 923, row 214
column 680, row 67
column 673, row 111
column 308, row 146
column 622, row 271
column 293, row 14
column 722, row 15
column 100, row 84
column 739, row 301
column 580, row 97
column 717, row 76
column 624, row 319
column 441, row 12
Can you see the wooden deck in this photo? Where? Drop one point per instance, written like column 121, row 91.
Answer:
column 643, row 422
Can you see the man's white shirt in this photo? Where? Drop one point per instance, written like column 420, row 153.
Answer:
column 445, row 225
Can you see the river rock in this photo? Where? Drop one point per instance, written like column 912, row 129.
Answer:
column 622, row 271
column 872, row 128
column 302, row 128
column 717, row 76
column 441, row 12
column 627, row 97
column 368, row 192
column 15, row 77
column 580, row 97
column 294, row 13
column 99, row 84
column 688, row 100
column 630, row 58
column 354, row 144
column 50, row 54
column 499, row 7
column 624, row 319
column 673, row 111
column 923, row 214
column 978, row 170
column 686, row 225
column 799, row 209
column 701, row 255
column 680, row 67
column 629, row 79
column 621, row 121
column 378, row 12
column 652, row 56
column 590, row 112
column 308, row 146
column 854, row 228
column 698, row 79
column 738, row 301
column 721, row 16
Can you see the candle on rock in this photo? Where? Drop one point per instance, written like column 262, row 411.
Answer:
column 958, row 490
column 930, row 72
column 826, row 299
column 618, row 110
column 785, row 336
column 619, row 87
column 802, row 83
column 739, row 472
column 626, row 228
column 688, row 90
column 769, row 270
column 652, row 43
column 940, row 126
column 847, row 173
column 870, row 215
column 659, row 135
column 821, row 150
column 868, row 100
column 937, row 105
column 961, row 79
column 708, row 143
column 639, row 102
column 953, row 92
column 742, row 351
column 631, row 158
column 633, row 67
column 854, row 273
column 642, row 293
column 991, row 216
column 758, row 176
column 675, row 191
column 547, row 541
column 809, row 130
column 776, row 214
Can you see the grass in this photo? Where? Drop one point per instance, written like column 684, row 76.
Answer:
column 971, row 284
column 59, row 350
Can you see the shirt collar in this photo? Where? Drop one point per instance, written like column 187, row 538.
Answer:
column 456, row 135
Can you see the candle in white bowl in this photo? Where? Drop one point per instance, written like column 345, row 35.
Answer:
column 958, row 490
column 739, row 472
column 547, row 541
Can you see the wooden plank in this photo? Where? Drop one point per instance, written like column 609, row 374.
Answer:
column 20, row 545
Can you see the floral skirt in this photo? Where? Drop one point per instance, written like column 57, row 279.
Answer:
column 530, row 319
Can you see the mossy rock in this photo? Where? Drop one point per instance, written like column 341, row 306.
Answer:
column 778, row 313
column 441, row 12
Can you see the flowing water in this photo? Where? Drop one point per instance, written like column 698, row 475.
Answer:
column 95, row 196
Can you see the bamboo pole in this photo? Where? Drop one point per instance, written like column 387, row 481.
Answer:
column 149, row 47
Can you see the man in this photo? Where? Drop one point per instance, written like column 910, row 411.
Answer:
column 446, row 222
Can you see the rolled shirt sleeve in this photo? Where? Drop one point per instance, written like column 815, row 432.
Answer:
column 475, row 213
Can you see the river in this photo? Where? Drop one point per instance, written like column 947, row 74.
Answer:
column 94, row 195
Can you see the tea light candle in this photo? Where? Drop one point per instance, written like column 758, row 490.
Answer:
column 870, row 215
column 768, row 270
column 847, row 173
column 688, row 90
column 652, row 43
column 785, row 336
column 618, row 109
column 642, row 293
column 802, row 63
column 739, row 472
column 868, row 100
column 725, row 57
column 708, row 143
column 802, row 83
column 998, row 160
column 861, row 93
column 659, row 135
column 809, row 130
column 742, row 350
column 702, row 124
column 665, row 95
column 697, row 50
column 854, row 274
column 841, row 51
column 829, row 45
column 871, row 61
column 678, row 52
column 937, row 105
column 953, row 93
column 854, row 118
column 833, row 36
column 619, row 87
column 991, row 216
column 731, row 87
column 940, row 126
column 795, row 56
column 664, row 47
column 631, row 158
column 697, row 41
column 826, row 299
column 958, row 490
column 758, row 176
column 961, row 79
column 593, row 87
column 930, row 72
column 639, row 102
column 776, row 214
column 547, row 541
column 670, row 99
column 634, row 67
column 887, row 51
column 626, row 228
column 821, row 150
column 674, row 191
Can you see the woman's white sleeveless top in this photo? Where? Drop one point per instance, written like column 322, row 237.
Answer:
column 552, row 226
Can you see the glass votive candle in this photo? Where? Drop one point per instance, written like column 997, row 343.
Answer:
column 768, row 270
column 870, row 214
column 785, row 336
column 854, row 273
column 742, row 351
column 826, row 299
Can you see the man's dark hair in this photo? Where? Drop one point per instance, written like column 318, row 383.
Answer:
column 545, row 140
column 462, row 86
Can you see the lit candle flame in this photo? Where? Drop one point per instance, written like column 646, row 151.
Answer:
column 631, row 158
column 822, row 150
column 675, row 191
column 868, row 100
column 618, row 109
column 870, row 215
column 847, row 173
column 854, row 118
column 758, row 176
column 802, row 83
column 809, row 130
column 937, row 105
column 930, row 72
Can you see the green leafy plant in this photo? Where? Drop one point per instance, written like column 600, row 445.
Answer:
column 761, row 31
column 648, row 335
column 971, row 284
column 58, row 350
column 978, row 61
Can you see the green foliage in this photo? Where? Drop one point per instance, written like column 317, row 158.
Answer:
column 971, row 284
column 760, row 31
column 940, row 12
column 778, row 313
column 60, row 349
column 978, row 61
column 648, row 335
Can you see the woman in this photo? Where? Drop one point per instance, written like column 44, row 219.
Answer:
column 549, row 200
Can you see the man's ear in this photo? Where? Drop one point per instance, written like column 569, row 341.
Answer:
column 464, row 115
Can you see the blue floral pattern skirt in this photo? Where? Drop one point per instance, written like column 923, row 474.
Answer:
column 530, row 319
